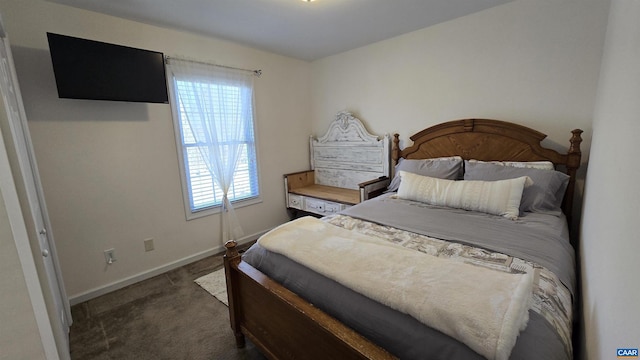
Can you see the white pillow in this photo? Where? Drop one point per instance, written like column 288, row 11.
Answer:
column 500, row 197
column 541, row 165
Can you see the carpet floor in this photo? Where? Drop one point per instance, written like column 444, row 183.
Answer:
column 165, row 317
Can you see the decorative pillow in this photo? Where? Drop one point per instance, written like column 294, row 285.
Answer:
column 542, row 165
column 442, row 168
column 493, row 197
column 545, row 195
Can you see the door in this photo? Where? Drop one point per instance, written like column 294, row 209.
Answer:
column 19, row 132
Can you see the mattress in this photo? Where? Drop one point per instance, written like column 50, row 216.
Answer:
column 534, row 242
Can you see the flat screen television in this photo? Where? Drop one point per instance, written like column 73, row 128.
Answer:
column 87, row 69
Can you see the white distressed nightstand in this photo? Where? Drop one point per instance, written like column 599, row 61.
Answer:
column 348, row 165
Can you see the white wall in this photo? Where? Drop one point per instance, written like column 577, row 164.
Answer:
column 110, row 170
column 534, row 62
column 610, row 226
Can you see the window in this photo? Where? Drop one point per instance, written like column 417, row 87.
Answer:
column 213, row 118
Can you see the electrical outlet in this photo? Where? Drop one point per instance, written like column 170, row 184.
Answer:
column 148, row 244
column 110, row 256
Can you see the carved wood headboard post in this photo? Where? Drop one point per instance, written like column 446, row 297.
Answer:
column 395, row 150
column 574, row 157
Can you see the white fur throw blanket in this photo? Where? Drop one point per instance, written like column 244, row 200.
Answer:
column 479, row 307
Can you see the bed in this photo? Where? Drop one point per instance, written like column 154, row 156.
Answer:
column 296, row 307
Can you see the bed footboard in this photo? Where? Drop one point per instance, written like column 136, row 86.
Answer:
column 283, row 325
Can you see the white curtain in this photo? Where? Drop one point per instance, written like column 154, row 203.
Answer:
column 217, row 104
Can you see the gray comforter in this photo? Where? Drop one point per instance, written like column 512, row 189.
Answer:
column 541, row 239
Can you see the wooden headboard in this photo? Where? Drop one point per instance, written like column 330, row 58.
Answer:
column 491, row 140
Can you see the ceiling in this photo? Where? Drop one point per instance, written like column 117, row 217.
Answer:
column 295, row 28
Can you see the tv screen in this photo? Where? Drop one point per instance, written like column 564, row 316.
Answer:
column 87, row 69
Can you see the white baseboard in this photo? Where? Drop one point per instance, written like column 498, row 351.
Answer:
column 98, row 291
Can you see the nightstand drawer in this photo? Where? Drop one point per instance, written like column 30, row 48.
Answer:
column 322, row 207
column 314, row 205
column 332, row 208
column 296, row 202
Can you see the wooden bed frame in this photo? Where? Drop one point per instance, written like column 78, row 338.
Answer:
column 284, row 326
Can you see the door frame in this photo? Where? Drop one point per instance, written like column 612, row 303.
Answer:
column 27, row 166
column 21, row 239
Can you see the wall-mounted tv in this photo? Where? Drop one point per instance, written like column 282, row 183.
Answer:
column 87, row 69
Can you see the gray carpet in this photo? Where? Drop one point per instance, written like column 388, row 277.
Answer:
column 165, row 317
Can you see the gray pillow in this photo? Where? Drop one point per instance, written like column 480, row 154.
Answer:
column 449, row 168
column 545, row 195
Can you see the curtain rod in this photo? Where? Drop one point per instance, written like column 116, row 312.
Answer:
column 257, row 73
